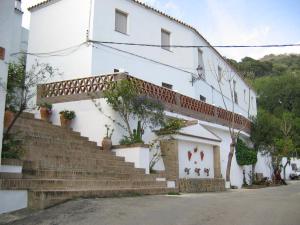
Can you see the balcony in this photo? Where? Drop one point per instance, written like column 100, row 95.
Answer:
column 81, row 89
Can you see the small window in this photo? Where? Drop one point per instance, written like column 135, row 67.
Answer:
column 202, row 98
column 116, row 71
column 220, row 74
column 245, row 95
column 165, row 39
column 235, row 92
column 200, row 68
column 166, row 85
column 121, row 21
column 2, row 53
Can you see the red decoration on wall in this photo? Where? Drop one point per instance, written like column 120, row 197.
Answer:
column 187, row 171
column 206, row 171
column 189, row 155
column 202, row 155
column 197, row 171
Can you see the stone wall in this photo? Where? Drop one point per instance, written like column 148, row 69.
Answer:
column 201, row 185
column 169, row 149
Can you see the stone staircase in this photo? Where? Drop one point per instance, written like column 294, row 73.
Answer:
column 59, row 164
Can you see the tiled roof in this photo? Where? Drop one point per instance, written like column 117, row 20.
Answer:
column 163, row 14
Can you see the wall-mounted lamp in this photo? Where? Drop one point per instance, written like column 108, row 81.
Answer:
column 200, row 74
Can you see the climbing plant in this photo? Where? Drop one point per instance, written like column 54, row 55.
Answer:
column 244, row 154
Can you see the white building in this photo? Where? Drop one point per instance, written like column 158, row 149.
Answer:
column 13, row 39
column 62, row 28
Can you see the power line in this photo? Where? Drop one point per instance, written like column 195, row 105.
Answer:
column 164, row 64
column 60, row 52
column 195, row 46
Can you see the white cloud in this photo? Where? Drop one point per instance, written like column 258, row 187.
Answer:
column 230, row 31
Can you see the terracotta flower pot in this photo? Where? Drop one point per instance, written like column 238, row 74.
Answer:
column 106, row 144
column 45, row 114
column 8, row 118
column 65, row 123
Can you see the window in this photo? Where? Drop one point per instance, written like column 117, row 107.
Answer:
column 202, row 98
column 165, row 39
column 2, row 53
column 121, row 21
column 116, row 71
column 220, row 74
column 245, row 95
column 200, row 68
column 235, row 93
column 166, row 85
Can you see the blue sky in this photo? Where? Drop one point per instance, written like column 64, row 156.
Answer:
column 233, row 22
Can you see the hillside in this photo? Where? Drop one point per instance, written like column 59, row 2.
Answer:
column 269, row 65
column 276, row 79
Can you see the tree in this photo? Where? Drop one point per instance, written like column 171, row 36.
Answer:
column 273, row 136
column 227, row 77
column 21, row 86
column 124, row 98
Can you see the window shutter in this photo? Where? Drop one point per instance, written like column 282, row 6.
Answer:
column 165, row 39
column 121, row 22
column 201, row 63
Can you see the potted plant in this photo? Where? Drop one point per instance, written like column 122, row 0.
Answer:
column 9, row 115
column 66, row 118
column 45, row 110
column 106, row 142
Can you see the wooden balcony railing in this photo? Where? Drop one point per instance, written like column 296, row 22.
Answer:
column 80, row 89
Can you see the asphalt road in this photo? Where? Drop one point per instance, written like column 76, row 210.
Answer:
column 269, row 206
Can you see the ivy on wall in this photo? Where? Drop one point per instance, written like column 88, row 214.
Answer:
column 244, row 154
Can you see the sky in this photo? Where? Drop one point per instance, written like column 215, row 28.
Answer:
column 233, row 22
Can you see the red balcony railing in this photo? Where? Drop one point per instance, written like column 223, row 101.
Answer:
column 80, row 89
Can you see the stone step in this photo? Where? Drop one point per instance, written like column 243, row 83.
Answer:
column 59, row 165
column 45, row 131
column 65, row 184
column 36, row 152
column 27, row 115
column 4, row 175
column 41, row 199
column 83, row 174
column 31, row 138
column 42, row 124
column 76, row 160
column 63, row 165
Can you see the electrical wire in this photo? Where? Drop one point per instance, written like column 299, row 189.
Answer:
column 60, row 52
column 164, row 64
column 196, row 46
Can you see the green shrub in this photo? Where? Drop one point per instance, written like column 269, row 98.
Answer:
column 12, row 147
column 244, row 154
column 45, row 105
column 171, row 126
column 68, row 115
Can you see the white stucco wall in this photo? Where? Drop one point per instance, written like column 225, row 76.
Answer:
column 195, row 162
column 185, row 60
column 174, row 67
column 59, row 26
column 264, row 165
column 289, row 169
column 12, row 200
column 236, row 176
column 138, row 155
